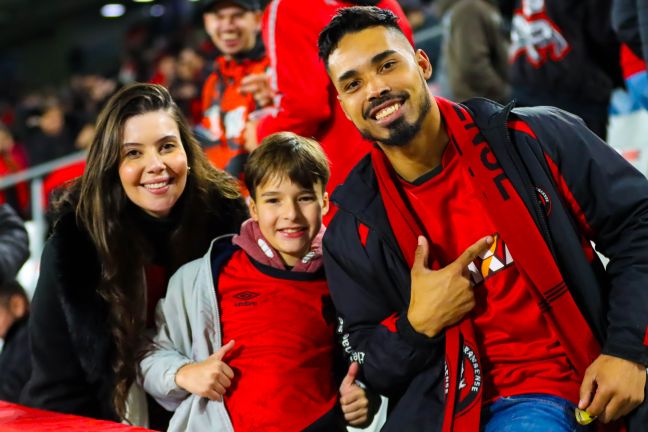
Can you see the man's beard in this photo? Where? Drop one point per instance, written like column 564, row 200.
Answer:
column 400, row 131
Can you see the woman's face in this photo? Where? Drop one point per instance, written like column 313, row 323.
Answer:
column 153, row 163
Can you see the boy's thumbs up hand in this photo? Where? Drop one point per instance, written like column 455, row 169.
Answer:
column 353, row 398
column 209, row 378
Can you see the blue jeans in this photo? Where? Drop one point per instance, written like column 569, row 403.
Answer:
column 530, row 413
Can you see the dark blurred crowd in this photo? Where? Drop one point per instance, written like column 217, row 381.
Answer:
column 534, row 51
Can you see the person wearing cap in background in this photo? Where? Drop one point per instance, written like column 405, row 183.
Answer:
column 234, row 27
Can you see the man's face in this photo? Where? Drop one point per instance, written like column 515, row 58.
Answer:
column 381, row 84
column 232, row 28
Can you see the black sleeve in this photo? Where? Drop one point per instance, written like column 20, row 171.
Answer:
column 58, row 382
column 611, row 198
column 14, row 243
column 389, row 356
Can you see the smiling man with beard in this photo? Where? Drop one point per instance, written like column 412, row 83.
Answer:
column 460, row 261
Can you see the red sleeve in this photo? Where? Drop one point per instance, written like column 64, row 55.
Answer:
column 290, row 33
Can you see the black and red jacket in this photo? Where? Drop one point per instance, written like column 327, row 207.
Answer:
column 576, row 189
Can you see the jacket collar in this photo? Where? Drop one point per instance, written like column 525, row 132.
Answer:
column 359, row 195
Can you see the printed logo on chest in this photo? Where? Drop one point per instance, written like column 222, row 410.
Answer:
column 495, row 259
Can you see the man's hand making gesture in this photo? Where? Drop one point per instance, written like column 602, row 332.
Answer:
column 440, row 298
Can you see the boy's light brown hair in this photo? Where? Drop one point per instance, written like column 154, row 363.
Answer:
column 285, row 154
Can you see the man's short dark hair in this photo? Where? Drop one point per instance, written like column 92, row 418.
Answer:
column 352, row 20
column 285, row 154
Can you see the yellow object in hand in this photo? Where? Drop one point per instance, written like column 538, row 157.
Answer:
column 582, row 417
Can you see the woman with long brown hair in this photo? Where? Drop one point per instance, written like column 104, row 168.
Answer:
column 148, row 202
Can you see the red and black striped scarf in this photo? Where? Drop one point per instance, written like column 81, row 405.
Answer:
column 533, row 257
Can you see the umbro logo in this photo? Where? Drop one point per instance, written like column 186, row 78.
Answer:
column 246, row 296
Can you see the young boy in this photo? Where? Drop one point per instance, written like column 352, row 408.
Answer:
column 15, row 362
column 263, row 293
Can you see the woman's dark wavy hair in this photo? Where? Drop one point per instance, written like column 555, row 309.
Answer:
column 103, row 209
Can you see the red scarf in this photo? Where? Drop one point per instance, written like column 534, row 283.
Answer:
column 534, row 260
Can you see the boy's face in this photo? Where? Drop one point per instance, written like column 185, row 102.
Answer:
column 289, row 215
column 232, row 28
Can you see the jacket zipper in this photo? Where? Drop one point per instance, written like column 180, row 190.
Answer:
column 530, row 189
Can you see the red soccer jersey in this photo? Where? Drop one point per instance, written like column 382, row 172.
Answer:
column 282, row 323
column 519, row 351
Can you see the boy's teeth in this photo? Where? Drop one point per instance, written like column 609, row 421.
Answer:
column 386, row 111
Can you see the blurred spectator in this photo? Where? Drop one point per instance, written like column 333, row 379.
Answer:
column 135, row 66
column 52, row 137
column 14, row 243
column 87, row 94
column 15, row 358
column 233, row 26
column 305, row 100
column 13, row 160
column 427, row 30
column 565, row 55
column 475, row 50
column 186, row 88
column 166, row 70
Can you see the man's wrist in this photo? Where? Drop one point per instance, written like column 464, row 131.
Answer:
column 422, row 327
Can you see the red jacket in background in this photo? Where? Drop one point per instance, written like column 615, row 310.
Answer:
column 18, row 196
column 306, row 100
column 61, row 178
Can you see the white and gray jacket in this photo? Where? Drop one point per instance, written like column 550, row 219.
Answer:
column 188, row 330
